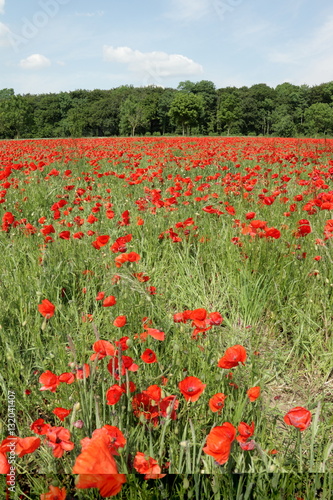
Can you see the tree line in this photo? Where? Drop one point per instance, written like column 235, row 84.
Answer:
column 193, row 109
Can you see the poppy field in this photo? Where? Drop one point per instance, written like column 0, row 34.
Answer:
column 166, row 318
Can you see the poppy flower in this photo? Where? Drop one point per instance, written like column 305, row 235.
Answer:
column 120, row 321
column 109, row 301
column 102, row 348
column 149, row 356
column 49, row 380
column 39, row 427
column 23, row 446
column 253, row 393
column 82, row 371
column 191, row 388
column 4, row 464
column 46, row 308
column 232, row 357
column 216, row 402
column 100, row 296
column 61, row 413
column 67, row 378
column 147, row 466
column 131, row 386
column 154, row 392
column 115, row 438
column 215, row 318
column 65, row 235
column 100, row 242
column 122, row 343
column 113, row 394
column 58, row 438
column 245, row 431
column 133, row 257
column 54, row 493
column 95, row 457
column 299, row 417
column 155, row 333
column 109, row 485
column 219, row 441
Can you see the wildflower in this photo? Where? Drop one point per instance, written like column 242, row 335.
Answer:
column 54, row 493
column 216, row 402
column 191, row 388
column 46, row 308
column 253, row 393
column 232, row 357
column 219, row 441
column 299, row 417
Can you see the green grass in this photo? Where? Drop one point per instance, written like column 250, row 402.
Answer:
column 274, row 302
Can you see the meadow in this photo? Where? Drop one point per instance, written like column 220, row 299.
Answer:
column 166, row 318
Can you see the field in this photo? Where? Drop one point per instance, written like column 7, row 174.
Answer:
column 166, row 318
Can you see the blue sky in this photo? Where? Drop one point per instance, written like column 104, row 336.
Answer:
column 62, row 45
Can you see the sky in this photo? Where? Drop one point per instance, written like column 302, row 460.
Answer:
column 63, row 45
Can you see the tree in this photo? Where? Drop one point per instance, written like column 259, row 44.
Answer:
column 14, row 115
column 132, row 114
column 319, row 118
column 282, row 122
column 229, row 111
column 186, row 110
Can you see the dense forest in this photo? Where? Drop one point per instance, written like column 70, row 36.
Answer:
column 193, row 108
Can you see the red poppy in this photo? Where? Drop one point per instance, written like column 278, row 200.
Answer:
column 54, row 493
column 216, row 402
column 67, row 378
column 154, row 392
column 39, row 427
column 299, row 417
column 115, row 438
column 95, row 457
column 23, row 446
column 131, row 386
column 100, row 242
column 58, row 438
column 46, row 308
column 102, row 348
column 113, row 394
column 155, row 333
column 215, row 318
column 100, row 296
column 109, row 485
column 219, row 441
column 65, row 235
column 133, row 257
column 191, row 388
column 61, row 413
column 4, row 464
column 149, row 356
column 253, row 393
column 122, row 343
column 109, row 301
column 120, row 321
column 49, row 380
column 245, row 431
column 82, row 371
column 147, row 466
column 232, row 357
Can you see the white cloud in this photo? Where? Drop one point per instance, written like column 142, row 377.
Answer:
column 35, row 61
column 152, row 65
column 311, row 57
column 2, row 6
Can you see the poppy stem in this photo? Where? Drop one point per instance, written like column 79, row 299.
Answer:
column 299, row 444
